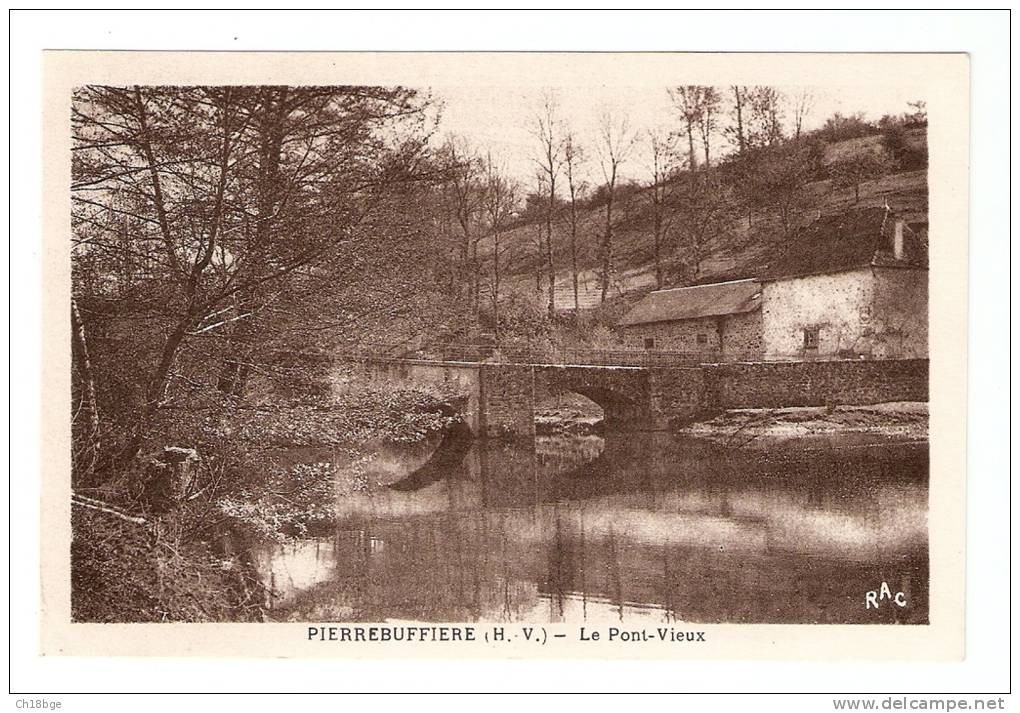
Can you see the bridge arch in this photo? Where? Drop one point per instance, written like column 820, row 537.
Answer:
column 618, row 410
column 621, row 394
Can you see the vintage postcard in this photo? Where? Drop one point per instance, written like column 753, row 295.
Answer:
column 505, row 354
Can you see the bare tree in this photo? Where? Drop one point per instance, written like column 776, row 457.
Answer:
column 220, row 227
column 87, row 427
column 688, row 101
column 616, row 142
column 738, row 129
column 766, row 125
column 779, row 183
column 663, row 167
column 466, row 196
column 919, row 115
column 573, row 159
column 803, row 103
column 852, row 171
column 535, row 203
column 500, row 207
column 704, row 208
column 548, row 130
column 710, row 100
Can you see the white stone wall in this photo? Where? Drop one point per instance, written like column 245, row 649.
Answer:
column 879, row 313
column 840, row 306
column 900, row 323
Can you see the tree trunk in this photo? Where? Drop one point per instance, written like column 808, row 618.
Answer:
column 707, row 138
column 495, row 288
column 739, row 106
column 551, row 268
column 236, row 367
column 465, row 262
column 573, row 257
column 691, row 156
column 658, row 249
column 156, row 391
column 241, row 341
column 93, row 444
column 539, row 259
column 607, row 241
column 476, row 280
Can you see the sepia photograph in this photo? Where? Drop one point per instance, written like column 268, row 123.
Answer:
column 372, row 353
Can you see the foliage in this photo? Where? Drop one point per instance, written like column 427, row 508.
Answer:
column 121, row 572
column 395, row 415
column 778, row 179
column 843, row 128
column 904, row 155
column 200, row 212
column 520, row 319
column 852, row 171
column 172, row 568
column 703, row 209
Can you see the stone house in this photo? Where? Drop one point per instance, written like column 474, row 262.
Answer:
column 852, row 285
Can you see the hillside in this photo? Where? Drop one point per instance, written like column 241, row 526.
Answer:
column 738, row 251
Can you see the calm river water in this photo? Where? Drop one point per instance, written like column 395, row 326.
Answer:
column 635, row 527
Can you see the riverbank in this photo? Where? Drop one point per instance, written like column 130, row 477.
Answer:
column 268, row 470
column 901, row 420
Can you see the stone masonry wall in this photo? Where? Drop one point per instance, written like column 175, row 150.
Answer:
column 742, row 335
column 507, row 399
column 815, row 383
column 679, row 336
column 678, row 395
column 500, row 398
column 456, row 378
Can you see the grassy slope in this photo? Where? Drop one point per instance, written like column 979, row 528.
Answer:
column 739, row 249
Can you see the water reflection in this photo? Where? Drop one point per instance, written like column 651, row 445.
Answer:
column 636, row 526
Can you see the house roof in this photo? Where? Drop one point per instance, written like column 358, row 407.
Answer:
column 833, row 243
column 845, row 241
column 679, row 303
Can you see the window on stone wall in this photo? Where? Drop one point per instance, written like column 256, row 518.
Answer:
column 702, row 339
column 649, row 342
column 811, row 338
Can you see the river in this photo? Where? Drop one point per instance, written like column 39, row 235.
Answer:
column 630, row 527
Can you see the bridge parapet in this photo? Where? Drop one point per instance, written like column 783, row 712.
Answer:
column 500, row 398
column 536, row 356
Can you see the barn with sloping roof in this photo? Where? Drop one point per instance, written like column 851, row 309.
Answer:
column 716, row 319
column 852, row 285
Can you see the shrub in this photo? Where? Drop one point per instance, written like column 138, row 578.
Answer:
column 843, row 128
column 905, row 155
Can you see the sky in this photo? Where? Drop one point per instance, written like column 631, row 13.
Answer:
column 497, row 119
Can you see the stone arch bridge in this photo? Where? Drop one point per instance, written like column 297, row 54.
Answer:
column 499, row 398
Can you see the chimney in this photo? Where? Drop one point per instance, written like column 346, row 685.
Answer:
column 897, row 245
